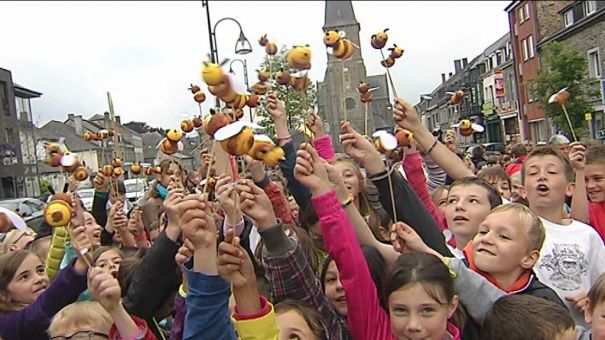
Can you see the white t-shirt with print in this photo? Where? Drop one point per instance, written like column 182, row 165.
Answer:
column 571, row 260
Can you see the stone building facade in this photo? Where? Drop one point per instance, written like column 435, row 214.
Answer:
column 337, row 93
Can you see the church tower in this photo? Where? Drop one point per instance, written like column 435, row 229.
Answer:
column 338, row 91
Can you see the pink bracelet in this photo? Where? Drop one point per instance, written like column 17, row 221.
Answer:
column 279, row 139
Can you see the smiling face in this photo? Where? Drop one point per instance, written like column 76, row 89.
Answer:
column 595, row 182
column 334, row 290
column 501, row 247
column 545, row 182
column 415, row 314
column 292, row 325
column 350, row 175
column 467, row 207
column 29, row 282
column 110, row 262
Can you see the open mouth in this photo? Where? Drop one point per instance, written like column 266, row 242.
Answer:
column 40, row 289
column 460, row 218
column 542, row 188
column 341, row 298
column 114, row 273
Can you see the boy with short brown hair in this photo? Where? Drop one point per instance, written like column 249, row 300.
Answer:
column 573, row 255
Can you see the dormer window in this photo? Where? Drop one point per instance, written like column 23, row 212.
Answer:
column 589, row 7
column 568, row 18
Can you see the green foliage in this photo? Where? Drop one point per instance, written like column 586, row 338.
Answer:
column 294, row 101
column 44, row 184
column 562, row 67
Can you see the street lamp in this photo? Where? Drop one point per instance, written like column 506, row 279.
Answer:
column 243, row 62
column 242, row 45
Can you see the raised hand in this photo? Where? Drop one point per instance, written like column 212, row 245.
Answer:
column 577, row 155
column 104, row 288
column 310, row 171
column 234, row 264
column 170, row 204
column 315, row 124
column 196, row 221
column 256, row 204
column 257, row 168
column 405, row 239
column 101, row 183
column 406, row 116
column 184, row 254
column 135, row 223
column 72, row 184
column 360, row 149
column 450, row 140
column 335, row 177
column 227, row 197
column 275, row 107
column 83, row 246
column 77, row 213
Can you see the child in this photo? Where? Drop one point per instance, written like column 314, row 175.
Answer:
column 595, row 309
column 470, row 199
column 573, row 255
column 81, row 319
column 499, row 180
column 17, row 239
column 439, row 198
column 27, row 300
column 405, row 293
column 526, row 317
column 594, row 173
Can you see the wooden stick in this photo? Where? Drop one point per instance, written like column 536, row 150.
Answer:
column 389, row 76
column 366, row 120
column 569, row 123
column 77, row 247
column 344, row 92
column 212, row 152
column 389, row 170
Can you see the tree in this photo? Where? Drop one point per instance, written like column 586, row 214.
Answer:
column 142, row 127
column 562, row 67
column 294, row 101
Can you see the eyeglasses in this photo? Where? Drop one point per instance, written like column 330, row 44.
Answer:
column 83, row 335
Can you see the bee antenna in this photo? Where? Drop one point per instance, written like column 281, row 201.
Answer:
column 386, row 29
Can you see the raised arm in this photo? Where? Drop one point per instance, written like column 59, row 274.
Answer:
column 290, row 273
column 406, row 117
column 367, row 319
column 408, row 206
column 579, row 201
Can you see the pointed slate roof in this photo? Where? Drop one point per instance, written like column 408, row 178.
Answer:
column 339, row 13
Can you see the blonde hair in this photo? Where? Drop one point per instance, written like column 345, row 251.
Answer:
column 11, row 237
column 535, row 231
column 80, row 315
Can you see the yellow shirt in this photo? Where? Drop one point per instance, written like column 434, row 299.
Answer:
column 262, row 328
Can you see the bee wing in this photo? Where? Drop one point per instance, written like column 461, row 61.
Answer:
column 477, row 128
column 342, row 34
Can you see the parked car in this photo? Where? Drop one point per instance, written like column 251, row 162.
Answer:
column 86, row 196
column 135, row 188
column 31, row 209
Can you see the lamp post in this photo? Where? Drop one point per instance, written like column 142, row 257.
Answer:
column 245, row 65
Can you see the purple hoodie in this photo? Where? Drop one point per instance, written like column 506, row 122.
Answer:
column 32, row 322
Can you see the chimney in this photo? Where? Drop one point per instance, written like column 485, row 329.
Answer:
column 464, row 62
column 70, row 116
column 78, row 125
column 442, row 78
column 457, row 67
column 106, row 119
column 118, row 120
column 450, row 75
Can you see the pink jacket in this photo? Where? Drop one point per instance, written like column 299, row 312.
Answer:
column 367, row 320
column 324, row 147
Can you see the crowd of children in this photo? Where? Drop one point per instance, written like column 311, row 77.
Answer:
column 325, row 246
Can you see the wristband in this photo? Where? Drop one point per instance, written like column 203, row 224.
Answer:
column 432, row 146
column 348, row 201
column 279, row 139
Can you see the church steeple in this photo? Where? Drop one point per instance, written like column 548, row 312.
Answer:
column 338, row 14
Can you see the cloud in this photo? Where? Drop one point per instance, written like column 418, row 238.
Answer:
column 147, row 53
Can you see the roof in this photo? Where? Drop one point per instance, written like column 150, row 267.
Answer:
column 498, row 44
column 97, row 117
column 512, row 5
column 380, row 81
column 150, row 141
column 43, row 168
column 23, row 92
column 54, row 130
column 339, row 13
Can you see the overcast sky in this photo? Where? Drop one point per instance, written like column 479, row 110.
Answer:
column 147, row 53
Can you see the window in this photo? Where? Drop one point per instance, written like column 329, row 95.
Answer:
column 530, row 46
column 531, row 92
column 568, row 18
column 524, row 50
column 589, row 7
column 523, row 12
column 594, row 63
column 4, row 99
column 526, row 6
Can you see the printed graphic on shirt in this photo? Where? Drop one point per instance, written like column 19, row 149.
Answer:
column 568, row 265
